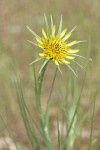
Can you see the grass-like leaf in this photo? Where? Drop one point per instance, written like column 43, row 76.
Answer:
column 21, row 100
column 59, row 138
column 92, row 121
column 10, row 133
column 75, row 112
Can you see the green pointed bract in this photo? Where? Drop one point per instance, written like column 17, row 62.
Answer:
column 71, row 70
column 60, row 26
column 32, row 32
column 47, row 25
column 32, row 42
column 89, row 59
column 36, row 60
column 59, row 69
column 51, row 21
column 78, row 64
column 45, row 62
column 73, row 29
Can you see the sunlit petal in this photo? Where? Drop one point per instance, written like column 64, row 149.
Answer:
column 63, row 33
column 44, row 34
column 73, row 51
column 72, row 43
column 70, row 57
column 53, row 30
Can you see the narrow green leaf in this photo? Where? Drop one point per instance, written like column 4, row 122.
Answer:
column 59, row 138
column 45, row 62
column 7, row 128
column 75, row 112
column 92, row 122
column 73, row 90
column 36, row 60
column 6, row 143
column 21, row 101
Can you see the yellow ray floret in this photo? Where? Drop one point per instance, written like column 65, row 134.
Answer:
column 70, row 57
column 63, row 33
column 44, row 34
column 66, row 37
column 53, row 30
column 72, row 43
column 38, row 40
column 73, row 51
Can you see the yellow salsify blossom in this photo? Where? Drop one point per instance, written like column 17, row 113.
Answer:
column 54, row 45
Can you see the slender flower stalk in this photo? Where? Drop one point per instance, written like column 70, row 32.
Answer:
column 43, row 122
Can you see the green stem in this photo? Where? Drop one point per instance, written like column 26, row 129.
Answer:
column 39, row 88
column 39, row 107
column 49, row 98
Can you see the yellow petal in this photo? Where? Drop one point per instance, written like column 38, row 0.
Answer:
column 72, row 43
column 73, row 51
column 66, row 62
column 41, row 55
column 44, row 34
column 38, row 40
column 40, row 46
column 70, row 57
column 63, row 33
column 66, row 37
column 53, row 30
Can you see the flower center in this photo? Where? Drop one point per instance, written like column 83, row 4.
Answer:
column 55, row 48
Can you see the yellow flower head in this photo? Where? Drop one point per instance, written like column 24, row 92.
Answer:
column 54, row 44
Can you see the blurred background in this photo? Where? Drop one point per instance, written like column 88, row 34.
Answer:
column 16, row 53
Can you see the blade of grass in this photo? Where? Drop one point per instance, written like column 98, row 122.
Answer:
column 76, row 110
column 21, row 102
column 66, row 96
column 92, row 121
column 73, row 89
column 7, row 128
column 59, row 138
column 33, row 121
column 6, row 143
column 31, row 135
